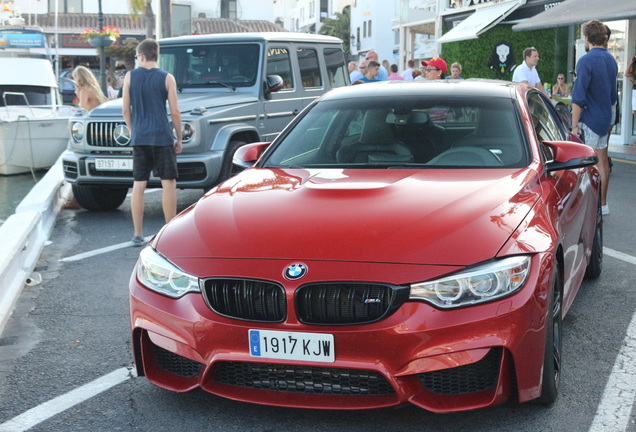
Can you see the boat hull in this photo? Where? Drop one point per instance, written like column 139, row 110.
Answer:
column 27, row 145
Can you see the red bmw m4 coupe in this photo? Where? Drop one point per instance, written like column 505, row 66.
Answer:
column 398, row 242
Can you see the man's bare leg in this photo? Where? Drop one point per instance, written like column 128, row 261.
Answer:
column 169, row 199
column 603, row 169
column 137, row 207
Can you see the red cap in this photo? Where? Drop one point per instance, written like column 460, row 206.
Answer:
column 436, row 62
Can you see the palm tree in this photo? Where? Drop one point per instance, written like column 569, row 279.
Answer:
column 137, row 7
column 340, row 27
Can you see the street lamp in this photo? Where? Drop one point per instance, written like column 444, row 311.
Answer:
column 101, row 48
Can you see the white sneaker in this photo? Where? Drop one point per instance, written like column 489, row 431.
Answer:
column 605, row 209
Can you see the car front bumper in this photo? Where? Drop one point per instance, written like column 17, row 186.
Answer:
column 440, row 360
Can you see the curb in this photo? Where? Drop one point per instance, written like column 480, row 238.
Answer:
column 24, row 234
column 625, row 156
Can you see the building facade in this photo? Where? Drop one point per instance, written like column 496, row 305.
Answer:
column 373, row 28
column 306, row 16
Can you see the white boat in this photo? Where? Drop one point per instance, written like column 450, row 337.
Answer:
column 33, row 122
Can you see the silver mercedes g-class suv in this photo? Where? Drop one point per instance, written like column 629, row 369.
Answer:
column 233, row 89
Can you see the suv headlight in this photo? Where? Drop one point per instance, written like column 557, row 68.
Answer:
column 478, row 285
column 187, row 132
column 77, row 131
column 158, row 274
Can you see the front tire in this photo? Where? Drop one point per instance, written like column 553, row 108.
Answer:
column 552, row 360
column 99, row 198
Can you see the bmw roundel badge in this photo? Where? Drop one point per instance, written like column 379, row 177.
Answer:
column 295, row 271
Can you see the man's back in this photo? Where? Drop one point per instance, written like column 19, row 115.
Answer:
column 148, row 95
column 595, row 88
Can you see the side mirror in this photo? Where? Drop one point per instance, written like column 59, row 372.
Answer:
column 247, row 155
column 570, row 155
column 274, row 83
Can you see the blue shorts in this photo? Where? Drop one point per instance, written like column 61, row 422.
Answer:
column 160, row 159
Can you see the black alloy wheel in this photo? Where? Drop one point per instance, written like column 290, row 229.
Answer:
column 552, row 360
column 595, row 266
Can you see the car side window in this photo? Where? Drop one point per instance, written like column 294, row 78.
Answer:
column 545, row 127
column 336, row 67
column 279, row 63
column 309, row 68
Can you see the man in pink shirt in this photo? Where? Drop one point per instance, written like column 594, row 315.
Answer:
column 394, row 74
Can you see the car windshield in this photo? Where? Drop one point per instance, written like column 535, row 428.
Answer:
column 24, row 95
column 213, row 65
column 444, row 132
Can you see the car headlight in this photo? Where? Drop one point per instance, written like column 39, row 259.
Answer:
column 481, row 284
column 77, row 131
column 158, row 274
column 187, row 132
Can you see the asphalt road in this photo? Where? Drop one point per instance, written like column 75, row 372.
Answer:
column 65, row 353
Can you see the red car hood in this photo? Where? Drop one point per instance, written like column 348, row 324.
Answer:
column 445, row 217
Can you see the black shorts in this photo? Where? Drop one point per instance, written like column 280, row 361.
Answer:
column 161, row 159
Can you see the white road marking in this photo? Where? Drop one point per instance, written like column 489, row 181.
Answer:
column 619, row 255
column 613, row 413
column 99, row 251
column 45, row 411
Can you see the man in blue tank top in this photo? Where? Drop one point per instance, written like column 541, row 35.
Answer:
column 146, row 90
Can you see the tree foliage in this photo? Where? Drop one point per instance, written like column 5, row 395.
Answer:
column 339, row 27
column 475, row 54
column 138, row 7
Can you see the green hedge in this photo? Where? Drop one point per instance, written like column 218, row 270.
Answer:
column 475, row 54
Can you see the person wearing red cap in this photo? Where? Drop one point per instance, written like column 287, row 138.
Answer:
column 435, row 68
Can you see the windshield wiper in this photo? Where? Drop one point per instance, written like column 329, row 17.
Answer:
column 222, row 84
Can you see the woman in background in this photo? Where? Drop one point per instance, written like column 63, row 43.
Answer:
column 87, row 88
column 560, row 88
column 89, row 95
column 386, row 65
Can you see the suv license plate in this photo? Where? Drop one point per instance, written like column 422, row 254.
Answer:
column 114, row 164
column 317, row 347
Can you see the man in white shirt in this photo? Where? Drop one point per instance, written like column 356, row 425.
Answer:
column 527, row 71
column 408, row 72
column 358, row 73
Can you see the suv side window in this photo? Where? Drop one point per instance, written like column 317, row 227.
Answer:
column 336, row 67
column 309, row 68
column 279, row 63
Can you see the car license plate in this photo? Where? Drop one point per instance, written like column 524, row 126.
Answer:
column 317, row 347
column 114, row 164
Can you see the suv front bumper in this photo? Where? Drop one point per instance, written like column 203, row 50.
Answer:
column 195, row 171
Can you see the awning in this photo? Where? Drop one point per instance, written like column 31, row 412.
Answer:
column 573, row 12
column 483, row 19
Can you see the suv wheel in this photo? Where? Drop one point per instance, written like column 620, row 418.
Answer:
column 228, row 169
column 97, row 198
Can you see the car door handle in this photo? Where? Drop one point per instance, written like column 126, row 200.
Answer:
column 295, row 113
